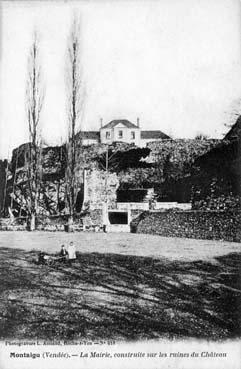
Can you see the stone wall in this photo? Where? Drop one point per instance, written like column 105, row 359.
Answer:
column 52, row 187
column 89, row 221
column 52, row 191
column 6, row 224
column 167, row 168
column 171, row 205
column 175, row 157
column 214, row 225
column 99, row 186
column 142, row 206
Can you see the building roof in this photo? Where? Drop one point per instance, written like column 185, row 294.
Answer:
column 89, row 135
column 148, row 135
column 125, row 122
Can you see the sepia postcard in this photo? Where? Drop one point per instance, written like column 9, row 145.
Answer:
column 120, row 184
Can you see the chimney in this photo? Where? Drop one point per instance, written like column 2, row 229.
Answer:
column 138, row 122
column 101, row 122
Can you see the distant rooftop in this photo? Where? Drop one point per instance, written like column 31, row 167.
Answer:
column 148, row 135
column 89, row 135
column 125, row 122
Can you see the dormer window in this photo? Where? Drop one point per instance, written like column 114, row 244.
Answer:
column 107, row 135
column 133, row 135
column 120, row 134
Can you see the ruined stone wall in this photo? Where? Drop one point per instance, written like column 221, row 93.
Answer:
column 52, row 192
column 175, row 157
column 169, row 160
column 99, row 188
column 52, row 187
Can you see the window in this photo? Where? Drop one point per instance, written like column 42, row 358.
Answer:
column 120, row 134
column 107, row 135
column 133, row 136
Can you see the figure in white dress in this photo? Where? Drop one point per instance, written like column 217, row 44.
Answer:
column 71, row 253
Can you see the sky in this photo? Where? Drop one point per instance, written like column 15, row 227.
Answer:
column 174, row 64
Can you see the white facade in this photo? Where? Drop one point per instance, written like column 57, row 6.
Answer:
column 120, row 133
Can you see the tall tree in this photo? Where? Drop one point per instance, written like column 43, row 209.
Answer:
column 34, row 104
column 75, row 103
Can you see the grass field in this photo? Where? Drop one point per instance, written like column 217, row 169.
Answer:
column 122, row 286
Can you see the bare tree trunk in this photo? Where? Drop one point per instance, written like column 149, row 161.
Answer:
column 34, row 103
column 5, row 188
column 75, row 110
column 32, row 222
column 14, row 179
column 105, row 215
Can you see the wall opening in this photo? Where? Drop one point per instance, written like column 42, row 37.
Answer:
column 79, row 201
column 116, row 217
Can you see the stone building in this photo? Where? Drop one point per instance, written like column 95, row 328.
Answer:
column 122, row 130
